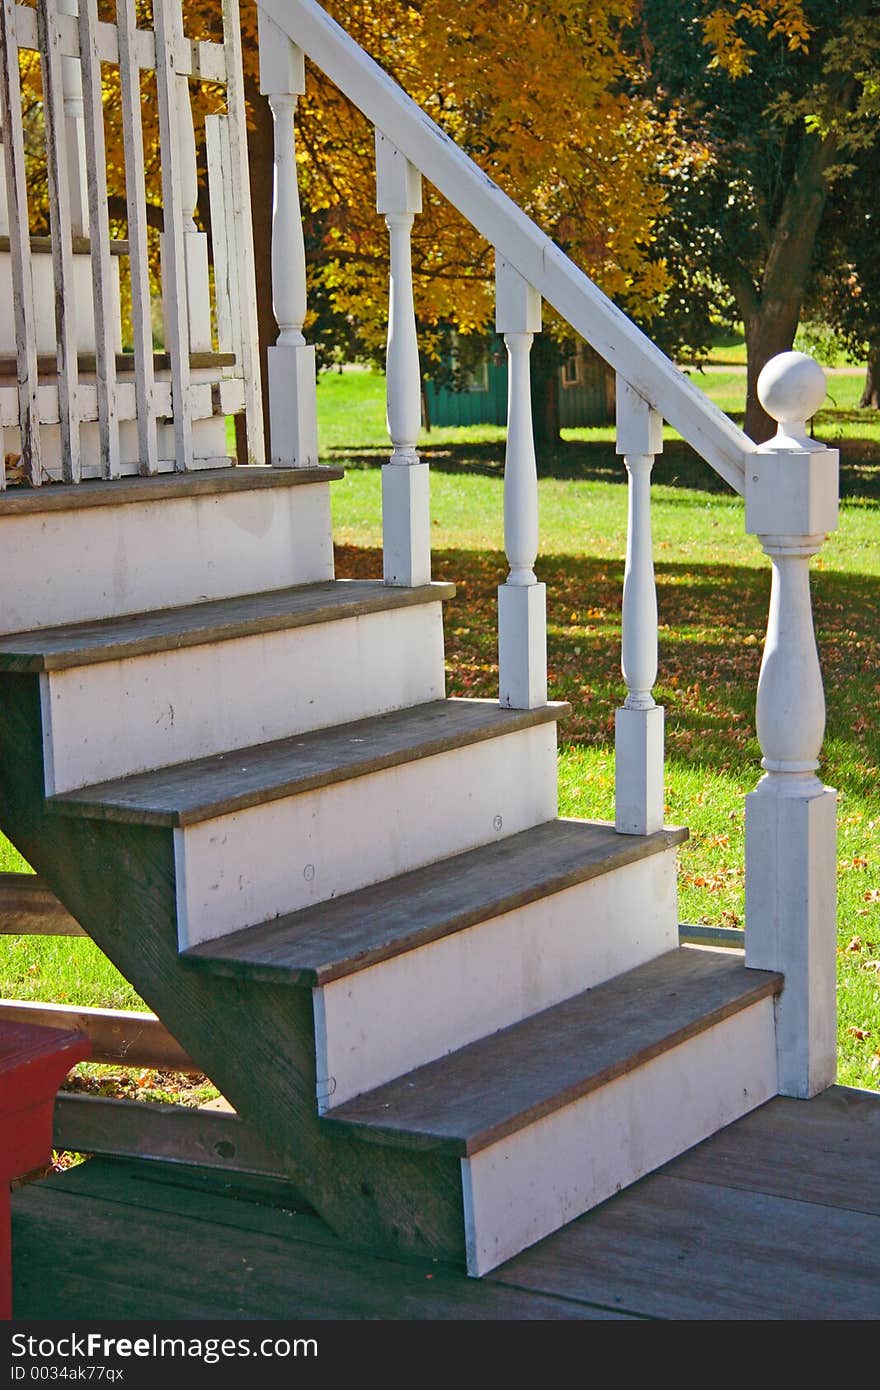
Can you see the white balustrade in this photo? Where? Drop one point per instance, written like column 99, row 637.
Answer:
column 195, row 243
column 293, row 428
column 522, row 601
column 60, row 220
column 791, row 504
column 103, row 283
column 406, row 509
column 639, row 724
column 19, row 247
column 75, row 133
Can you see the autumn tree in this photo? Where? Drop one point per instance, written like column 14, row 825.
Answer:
column 536, row 94
column 776, row 108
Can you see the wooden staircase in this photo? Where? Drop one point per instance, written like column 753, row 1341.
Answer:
column 459, row 1020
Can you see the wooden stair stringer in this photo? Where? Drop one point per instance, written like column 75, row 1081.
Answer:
column 256, row 1042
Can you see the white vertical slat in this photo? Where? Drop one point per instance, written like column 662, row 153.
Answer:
column 522, row 601
column 293, row 417
column 195, row 243
column 99, row 232
column 4, row 216
column 19, row 245
column 135, row 193
column 221, row 193
column 75, row 139
column 406, row 519
column 639, row 724
column 173, row 250
column 243, row 239
column 62, row 246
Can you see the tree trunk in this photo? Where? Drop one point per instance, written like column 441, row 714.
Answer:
column 871, row 394
column 545, row 393
column 771, row 315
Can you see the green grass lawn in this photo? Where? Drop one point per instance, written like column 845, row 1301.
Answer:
column 713, row 588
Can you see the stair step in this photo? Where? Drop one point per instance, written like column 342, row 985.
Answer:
column 336, row 939
column 95, row 492
column 206, row 788
column 471, row 1099
column 219, row 620
column 93, row 550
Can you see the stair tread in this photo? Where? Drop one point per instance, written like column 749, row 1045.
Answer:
column 474, row 1097
column 226, row 782
column 110, row 639
column 96, row 492
column 334, row 939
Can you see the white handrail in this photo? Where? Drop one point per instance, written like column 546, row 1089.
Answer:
column 529, row 250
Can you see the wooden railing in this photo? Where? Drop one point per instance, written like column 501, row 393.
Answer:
column 789, row 485
column 91, row 410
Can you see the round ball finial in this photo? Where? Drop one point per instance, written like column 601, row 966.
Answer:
column 791, row 389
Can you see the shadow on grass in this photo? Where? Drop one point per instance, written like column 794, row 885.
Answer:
column 713, row 620
column 596, row 461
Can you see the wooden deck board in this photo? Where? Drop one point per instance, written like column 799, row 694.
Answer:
column 74, row 1258
column 673, row 1248
column 350, row 933
column 226, row 782
column 91, row 1241
column 472, row 1098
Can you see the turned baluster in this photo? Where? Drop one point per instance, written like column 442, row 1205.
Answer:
column 639, row 724
column 293, row 425
column 522, row 601
column 791, row 503
column 405, row 484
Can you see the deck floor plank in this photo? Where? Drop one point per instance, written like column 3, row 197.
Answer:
column 774, row 1218
column 81, row 1256
column 673, row 1248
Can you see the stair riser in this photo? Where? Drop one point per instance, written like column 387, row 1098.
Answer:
column 533, row 1182
column 120, row 717
column 252, row 865
column 414, row 1008
column 101, row 562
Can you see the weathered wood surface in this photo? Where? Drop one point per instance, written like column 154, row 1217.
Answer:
column 111, row 639
column 61, row 497
column 118, row 880
column 28, row 907
column 227, row 782
column 472, row 1098
column 81, row 246
column 174, row 1133
column 117, row 1035
column 145, row 1249
column 87, row 363
column 350, row 933
column 827, row 1150
column 671, row 1248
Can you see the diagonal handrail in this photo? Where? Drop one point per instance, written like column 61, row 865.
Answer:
column 516, row 237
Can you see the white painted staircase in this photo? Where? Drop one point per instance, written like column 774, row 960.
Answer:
column 496, row 998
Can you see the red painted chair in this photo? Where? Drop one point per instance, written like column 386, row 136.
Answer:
column 33, row 1063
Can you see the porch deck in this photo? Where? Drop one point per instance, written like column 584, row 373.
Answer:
column 777, row 1216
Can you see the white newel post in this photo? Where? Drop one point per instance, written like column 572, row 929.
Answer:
column 522, row 601
column 406, row 508
column 75, row 131
column 639, row 724
column 791, row 853
column 293, row 423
